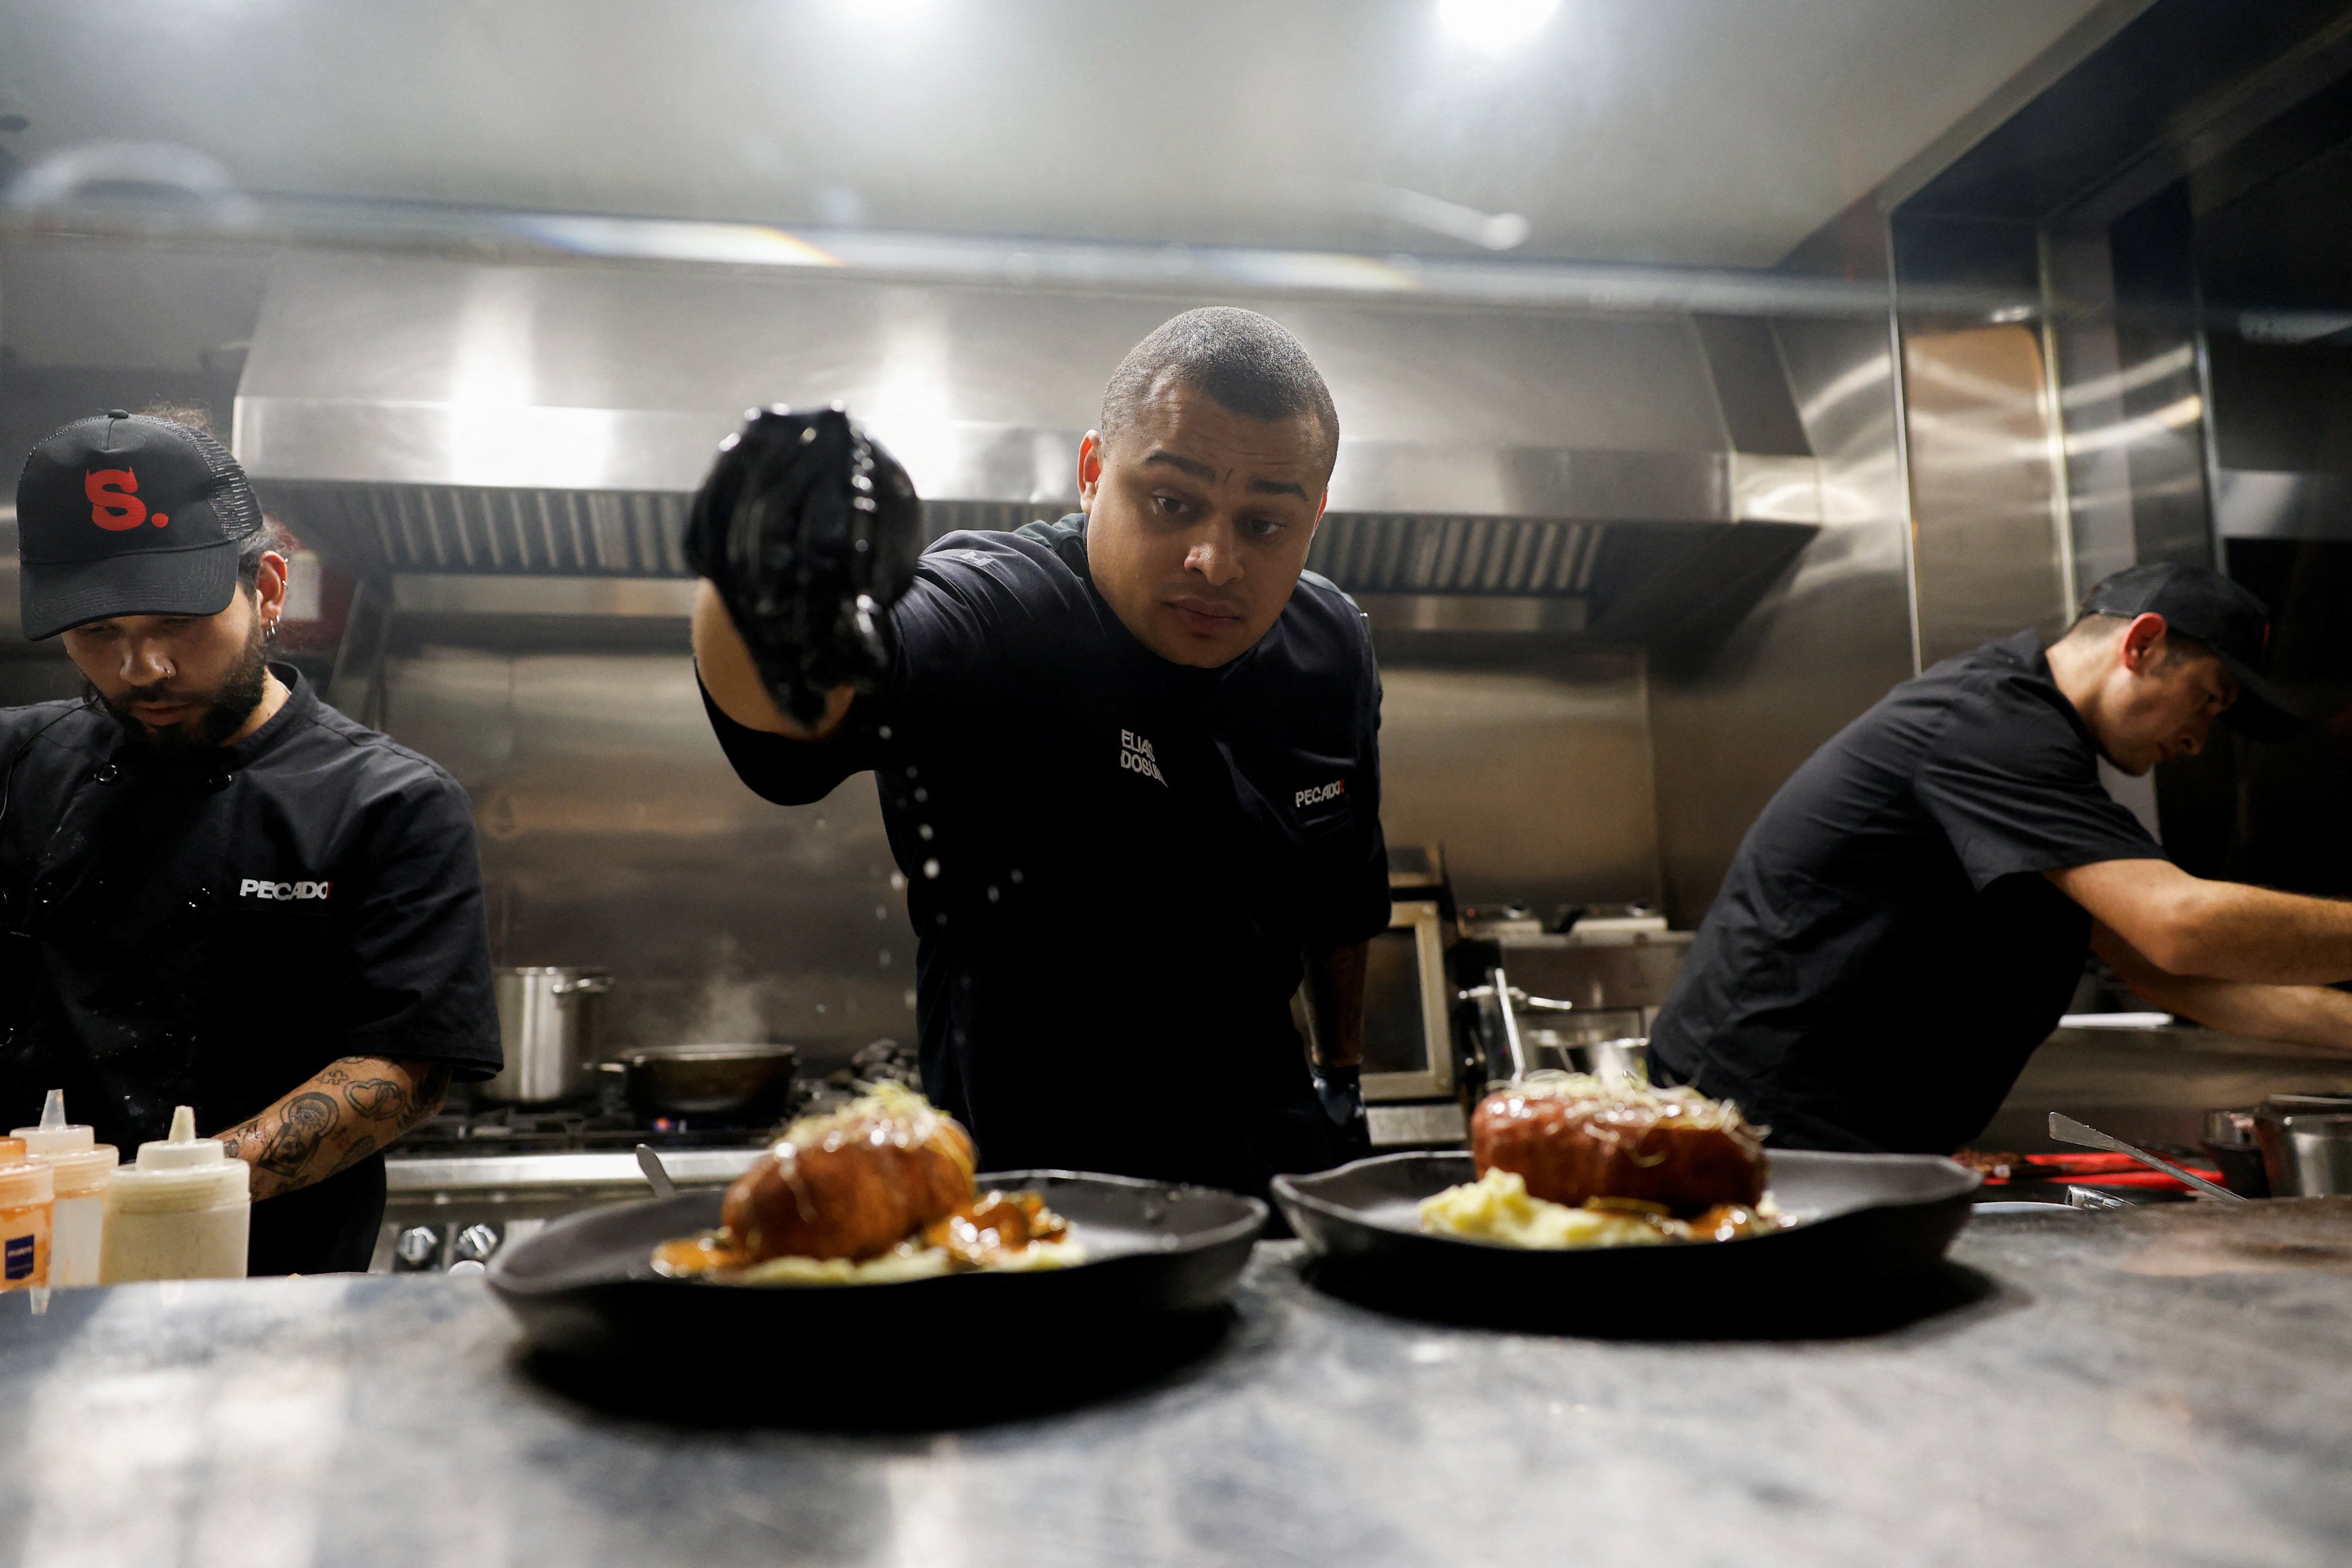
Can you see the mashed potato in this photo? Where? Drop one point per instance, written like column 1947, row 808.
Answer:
column 1497, row 1208
column 908, row 1260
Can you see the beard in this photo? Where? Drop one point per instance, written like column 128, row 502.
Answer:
column 224, row 711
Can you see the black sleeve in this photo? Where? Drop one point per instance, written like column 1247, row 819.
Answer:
column 420, row 980
column 1358, row 907
column 790, row 772
column 2015, row 788
column 941, row 643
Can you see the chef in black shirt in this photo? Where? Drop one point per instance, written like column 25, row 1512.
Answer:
column 219, row 891
column 1128, row 763
column 1908, row 918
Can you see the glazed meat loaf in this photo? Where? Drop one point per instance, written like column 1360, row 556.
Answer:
column 1572, row 1138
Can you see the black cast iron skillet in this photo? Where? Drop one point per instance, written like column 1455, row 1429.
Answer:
column 1162, row 1260
column 744, row 1084
column 1872, row 1231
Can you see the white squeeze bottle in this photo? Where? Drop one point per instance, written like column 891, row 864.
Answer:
column 179, row 1211
column 81, row 1165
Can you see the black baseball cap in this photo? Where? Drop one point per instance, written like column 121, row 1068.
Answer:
column 2197, row 602
column 122, row 514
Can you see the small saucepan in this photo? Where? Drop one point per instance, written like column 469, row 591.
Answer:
column 746, row 1084
column 2306, row 1143
column 2231, row 1143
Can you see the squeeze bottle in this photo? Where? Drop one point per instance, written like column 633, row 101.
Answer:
column 80, row 1166
column 179, row 1211
column 24, row 1203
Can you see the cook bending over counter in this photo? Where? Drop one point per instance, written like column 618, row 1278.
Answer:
column 219, row 891
column 1907, row 919
column 1129, row 761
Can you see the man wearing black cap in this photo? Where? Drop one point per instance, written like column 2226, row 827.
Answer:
column 1908, row 918
column 218, row 890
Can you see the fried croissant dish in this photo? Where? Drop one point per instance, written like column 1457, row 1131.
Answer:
column 852, row 1184
column 879, row 1190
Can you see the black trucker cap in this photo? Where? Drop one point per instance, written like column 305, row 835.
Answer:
column 122, row 514
column 2197, row 602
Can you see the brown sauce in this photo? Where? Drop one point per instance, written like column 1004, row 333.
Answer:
column 983, row 1232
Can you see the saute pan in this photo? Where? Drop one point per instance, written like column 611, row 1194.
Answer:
column 586, row 1289
column 746, row 1084
column 1862, row 1222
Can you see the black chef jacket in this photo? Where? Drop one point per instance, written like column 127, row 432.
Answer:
column 1885, row 954
column 1114, row 863
column 212, row 930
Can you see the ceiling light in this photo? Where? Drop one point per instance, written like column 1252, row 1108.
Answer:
column 1493, row 24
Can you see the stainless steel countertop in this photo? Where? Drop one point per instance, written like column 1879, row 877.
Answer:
column 2152, row 1086
column 2158, row 1385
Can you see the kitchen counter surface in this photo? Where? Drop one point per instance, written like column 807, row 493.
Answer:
column 2168, row 1385
column 2153, row 1086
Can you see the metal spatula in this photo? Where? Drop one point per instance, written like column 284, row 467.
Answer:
column 2066, row 1129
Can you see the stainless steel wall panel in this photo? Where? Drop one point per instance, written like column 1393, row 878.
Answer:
column 1990, row 547
column 2080, row 285
column 611, row 828
column 1535, row 775
column 1752, row 386
column 614, row 834
column 1833, row 636
column 1775, row 490
column 1990, row 554
column 2162, row 381
column 470, row 593
column 1488, row 613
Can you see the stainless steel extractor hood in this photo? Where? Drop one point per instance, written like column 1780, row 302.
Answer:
column 433, row 417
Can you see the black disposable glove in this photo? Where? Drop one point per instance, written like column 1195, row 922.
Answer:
column 1341, row 1090
column 809, row 530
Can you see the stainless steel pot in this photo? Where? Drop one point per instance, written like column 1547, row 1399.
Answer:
column 746, row 1084
column 2321, row 1149
column 550, row 1019
column 2306, row 1143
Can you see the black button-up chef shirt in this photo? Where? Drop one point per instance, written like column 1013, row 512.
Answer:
column 1114, row 863
column 1885, row 954
column 211, row 931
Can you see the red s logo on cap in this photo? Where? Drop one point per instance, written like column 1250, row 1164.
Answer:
column 112, row 506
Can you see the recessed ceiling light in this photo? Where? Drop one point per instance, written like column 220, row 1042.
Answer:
column 1494, row 24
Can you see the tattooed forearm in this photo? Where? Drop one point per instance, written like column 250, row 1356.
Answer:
column 303, row 1125
column 349, row 1110
column 354, row 1154
column 377, row 1098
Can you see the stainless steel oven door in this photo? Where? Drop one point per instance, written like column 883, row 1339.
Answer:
column 1408, row 1033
